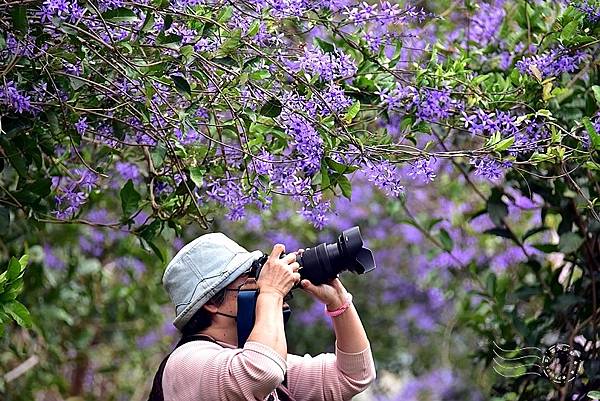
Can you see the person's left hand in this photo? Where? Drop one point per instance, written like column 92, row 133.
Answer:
column 332, row 294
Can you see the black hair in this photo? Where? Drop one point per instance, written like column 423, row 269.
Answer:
column 202, row 319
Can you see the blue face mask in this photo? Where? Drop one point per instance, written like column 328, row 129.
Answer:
column 246, row 315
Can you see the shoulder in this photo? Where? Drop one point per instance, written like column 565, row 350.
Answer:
column 193, row 351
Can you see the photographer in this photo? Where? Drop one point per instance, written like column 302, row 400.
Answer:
column 204, row 280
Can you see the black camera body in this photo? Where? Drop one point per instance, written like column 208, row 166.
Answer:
column 324, row 262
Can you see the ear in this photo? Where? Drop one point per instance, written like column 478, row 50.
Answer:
column 210, row 308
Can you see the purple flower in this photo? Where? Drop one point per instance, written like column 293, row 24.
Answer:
column 188, row 136
column 328, row 66
column 486, row 23
column 51, row 260
column 12, row 97
column 128, row 171
column 489, row 167
column 422, row 168
column 385, row 176
column 552, row 63
column 315, row 211
column 591, row 11
column 81, row 125
column 72, row 191
column 308, row 143
column 228, row 192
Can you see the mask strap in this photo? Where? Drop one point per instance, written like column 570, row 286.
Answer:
column 225, row 314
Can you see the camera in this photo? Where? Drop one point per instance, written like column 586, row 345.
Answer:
column 324, row 262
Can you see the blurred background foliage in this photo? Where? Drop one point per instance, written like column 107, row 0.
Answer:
column 465, row 146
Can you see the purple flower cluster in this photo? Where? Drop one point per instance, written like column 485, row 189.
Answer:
column 590, row 9
column 423, row 167
column 15, row 99
column 328, row 66
column 315, row 210
column 431, row 105
column 307, row 141
column 335, row 99
column 489, row 167
column 229, row 193
column 552, row 63
column 129, row 171
column 384, row 175
column 22, row 47
column 486, row 22
column 81, row 125
column 296, row 8
column 72, row 191
column 51, row 259
column 187, row 136
column 532, row 137
column 486, row 124
column 383, row 13
column 64, row 9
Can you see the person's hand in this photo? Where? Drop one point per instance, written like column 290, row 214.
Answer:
column 332, row 294
column 278, row 276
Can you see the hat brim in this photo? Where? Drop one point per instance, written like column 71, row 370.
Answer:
column 239, row 264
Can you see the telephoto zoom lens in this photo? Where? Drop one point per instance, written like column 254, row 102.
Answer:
column 324, row 262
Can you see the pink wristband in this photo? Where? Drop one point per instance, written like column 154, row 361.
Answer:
column 341, row 309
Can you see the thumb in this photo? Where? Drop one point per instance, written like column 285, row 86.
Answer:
column 309, row 287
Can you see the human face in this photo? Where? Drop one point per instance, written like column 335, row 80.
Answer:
column 245, row 283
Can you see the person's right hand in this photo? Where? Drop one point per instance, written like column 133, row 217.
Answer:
column 279, row 275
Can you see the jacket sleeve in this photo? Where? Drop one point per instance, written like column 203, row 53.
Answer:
column 330, row 377
column 201, row 370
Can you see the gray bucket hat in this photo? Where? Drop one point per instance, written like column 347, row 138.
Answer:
column 201, row 269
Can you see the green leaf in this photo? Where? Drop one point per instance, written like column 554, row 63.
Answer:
column 156, row 250
column 19, row 18
column 352, row 112
column 446, row 240
column 569, row 30
column 325, row 181
column 182, row 85
column 231, row 43
column 500, row 232
column 594, row 395
column 148, row 23
column 225, row 14
column 534, row 231
column 345, row 186
column 14, row 269
column 504, row 144
column 197, row 174
column 130, row 199
column 254, row 27
column 596, row 90
column 23, row 261
column 18, row 312
column 569, row 242
column 546, row 248
column 496, row 208
column 594, row 136
column 121, row 14
column 158, row 155
column 272, row 108
column 339, row 167
column 490, row 284
column 324, row 45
